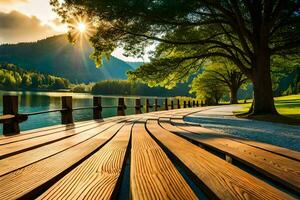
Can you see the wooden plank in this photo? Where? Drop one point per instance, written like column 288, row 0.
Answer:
column 31, row 179
column 223, row 179
column 49, row 130
column 28, row 157
column 35, row 142
column 39, row 132
column 152, row 174
column 278, row 168
column 272, row 148
column 98, row 176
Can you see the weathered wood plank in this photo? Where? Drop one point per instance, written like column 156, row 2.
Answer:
column 28, row 157
column 223, row 179
column 40, row 132
column 272, row 148
column 279, row 168
column 35, row 142
column 269, row 147
column 32, row 178
column 98, row 176
column 152, row 174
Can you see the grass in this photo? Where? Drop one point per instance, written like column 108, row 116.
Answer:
column 287, row 106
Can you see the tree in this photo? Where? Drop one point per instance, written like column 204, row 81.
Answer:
column 208, row 89
column 245, row 32
column 226, row 74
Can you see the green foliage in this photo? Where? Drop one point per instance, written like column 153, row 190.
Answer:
column 124, row 87
column 82, row 88
column 15, row 78
column 188, row 32
column 208, row 90
column 224, row 74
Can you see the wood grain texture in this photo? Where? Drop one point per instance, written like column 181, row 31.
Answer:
column 96, row 177
column 39, row 132
column 279, row 168
column 31, row 143
column 25, row 180
column 152, row 174
column 295, row 155
column 224, row 180
column 28, row 157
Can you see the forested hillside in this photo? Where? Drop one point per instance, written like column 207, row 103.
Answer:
column 55, row 55
column 15, row 78
column 124, row 87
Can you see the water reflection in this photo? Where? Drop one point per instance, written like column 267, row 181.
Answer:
column 40, row 101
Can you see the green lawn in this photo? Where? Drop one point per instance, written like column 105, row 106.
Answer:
column 288, row 106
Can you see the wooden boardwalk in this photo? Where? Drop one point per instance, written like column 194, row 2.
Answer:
column 147, row 156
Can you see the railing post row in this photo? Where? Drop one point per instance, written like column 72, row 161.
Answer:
column 155, row 104
column 166, row 104
column 147, row 105
column 138, row 106
column 178, row 103
column 121, row 107
column 67, row 110
column 97, row 110
column 10, row 107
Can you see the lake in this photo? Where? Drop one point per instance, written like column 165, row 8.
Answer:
column 41, row 101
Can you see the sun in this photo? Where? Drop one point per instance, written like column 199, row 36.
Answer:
column 81, row 27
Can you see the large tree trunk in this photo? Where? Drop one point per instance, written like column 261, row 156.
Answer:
column 263, row 102
column 233, row 96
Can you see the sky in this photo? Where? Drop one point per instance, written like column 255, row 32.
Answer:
column 32, row 20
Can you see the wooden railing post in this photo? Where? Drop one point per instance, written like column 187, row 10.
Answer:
column 138, row 106
column 10, row 107
column 67, row 110
column 194, row 103
column 172, row 105
column 178, row 103
column 166, row 104
column 197, row 103
column 121, row 107
column 147, row 105
column 184, row 104
column 189, row 104
column 97, row 110
column 155, row 104
column 202, row 104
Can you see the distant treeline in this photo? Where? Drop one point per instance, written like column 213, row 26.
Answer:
column 16, row 78
column 124, row 87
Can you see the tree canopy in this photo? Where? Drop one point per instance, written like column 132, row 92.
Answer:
column 208, row 90
column 247, row 33
column 225, row 74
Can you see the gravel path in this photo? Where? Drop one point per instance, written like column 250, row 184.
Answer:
column 222, row 120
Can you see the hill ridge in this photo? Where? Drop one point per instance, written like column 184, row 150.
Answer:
column 56, row 56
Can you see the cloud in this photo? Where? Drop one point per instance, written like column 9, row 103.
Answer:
column 17, row 27
column 12, row 1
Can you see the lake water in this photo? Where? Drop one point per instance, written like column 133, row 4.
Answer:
column 41, row 101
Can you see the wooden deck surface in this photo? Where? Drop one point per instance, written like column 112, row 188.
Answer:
column 148, row 156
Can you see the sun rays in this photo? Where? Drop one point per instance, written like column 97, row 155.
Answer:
column 80, row 28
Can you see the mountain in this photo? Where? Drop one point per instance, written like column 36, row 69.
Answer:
column 56, row 56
